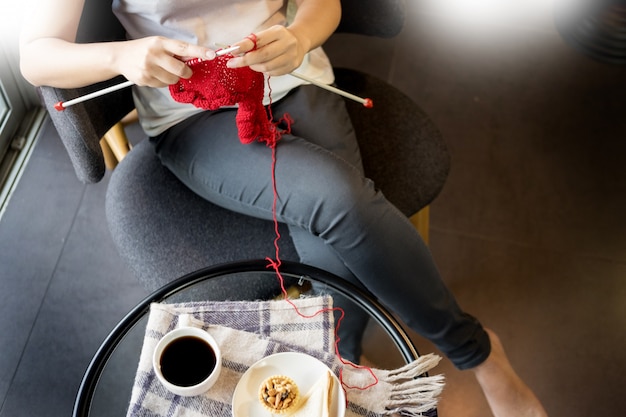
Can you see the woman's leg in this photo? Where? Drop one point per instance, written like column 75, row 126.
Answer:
column 506, row 393
column 322, row 193
column 336, row 135
column 313, row 251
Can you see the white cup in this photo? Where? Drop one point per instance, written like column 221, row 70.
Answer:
column 187, row 360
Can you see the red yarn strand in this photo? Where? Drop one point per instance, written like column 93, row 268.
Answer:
column 214, row 85
column 275, row 263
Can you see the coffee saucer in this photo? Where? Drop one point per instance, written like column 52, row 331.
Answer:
column 305, row 370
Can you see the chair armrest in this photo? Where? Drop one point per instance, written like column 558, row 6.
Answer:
column 402, row 150
column 82, row 125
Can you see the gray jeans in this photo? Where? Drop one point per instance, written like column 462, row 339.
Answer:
column 339, row 221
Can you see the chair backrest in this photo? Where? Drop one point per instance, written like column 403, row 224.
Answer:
column 81, row 126
column 381, row 18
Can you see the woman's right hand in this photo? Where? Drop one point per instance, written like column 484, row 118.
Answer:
column 157, row 61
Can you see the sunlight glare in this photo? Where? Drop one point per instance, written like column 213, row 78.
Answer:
column 11, row 16
column 472, row 11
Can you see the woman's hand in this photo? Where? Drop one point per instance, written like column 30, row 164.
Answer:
column 152, row 61
column 278, row 51
column 157, row 61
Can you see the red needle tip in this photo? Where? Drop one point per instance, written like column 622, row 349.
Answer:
column 368, row 103
column 59, row 106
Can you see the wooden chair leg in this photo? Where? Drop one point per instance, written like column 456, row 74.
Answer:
column 130, row 118
column 115, row 144
column 118, row 142
column 421, row 221
column 110, row 161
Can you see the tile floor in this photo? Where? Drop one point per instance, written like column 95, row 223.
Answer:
column 528, row 232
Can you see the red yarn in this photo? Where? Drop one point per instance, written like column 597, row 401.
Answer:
column 254, row 39
column 276, row 263
column 214, row 85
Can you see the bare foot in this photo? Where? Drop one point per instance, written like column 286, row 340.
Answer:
column 506, row 393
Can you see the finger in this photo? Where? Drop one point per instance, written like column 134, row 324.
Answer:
column 157, row 80
column 187, row 50
column 163, row 78
column 273, row 71
column 173, row 67
column 266, row 60
column 256, row 41
column 246, row 45
column 238, row 61
column 261, row 55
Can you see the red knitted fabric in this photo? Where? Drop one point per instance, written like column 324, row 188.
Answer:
column 214, row 85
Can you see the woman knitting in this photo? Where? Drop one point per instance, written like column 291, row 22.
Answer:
column 337, row 218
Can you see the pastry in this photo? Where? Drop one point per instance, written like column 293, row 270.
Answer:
column 279, row 394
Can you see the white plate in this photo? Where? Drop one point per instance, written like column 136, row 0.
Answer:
column 305, row 370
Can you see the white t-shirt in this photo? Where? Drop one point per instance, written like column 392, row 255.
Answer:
column 209, row 23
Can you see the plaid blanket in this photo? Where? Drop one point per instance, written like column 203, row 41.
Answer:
column 249, row 331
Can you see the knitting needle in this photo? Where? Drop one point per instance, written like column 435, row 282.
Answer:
column 60, row 106
column 366, row 102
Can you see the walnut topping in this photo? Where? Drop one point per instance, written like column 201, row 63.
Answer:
column 278, row 394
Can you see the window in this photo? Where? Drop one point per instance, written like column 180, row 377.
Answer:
column 12, row 108
column 20, row 114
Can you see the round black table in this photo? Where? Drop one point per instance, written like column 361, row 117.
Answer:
column 106, row 386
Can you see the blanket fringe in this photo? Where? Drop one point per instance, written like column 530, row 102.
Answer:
column 412, row 394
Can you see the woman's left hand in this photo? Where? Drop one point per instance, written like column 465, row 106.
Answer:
column 277, row 51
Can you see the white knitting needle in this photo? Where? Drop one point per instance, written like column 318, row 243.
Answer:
column 60, row 106
column 366, row 102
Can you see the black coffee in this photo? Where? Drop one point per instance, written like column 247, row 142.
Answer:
column 187, row 361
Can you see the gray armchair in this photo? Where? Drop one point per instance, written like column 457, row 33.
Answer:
column 164, row 231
